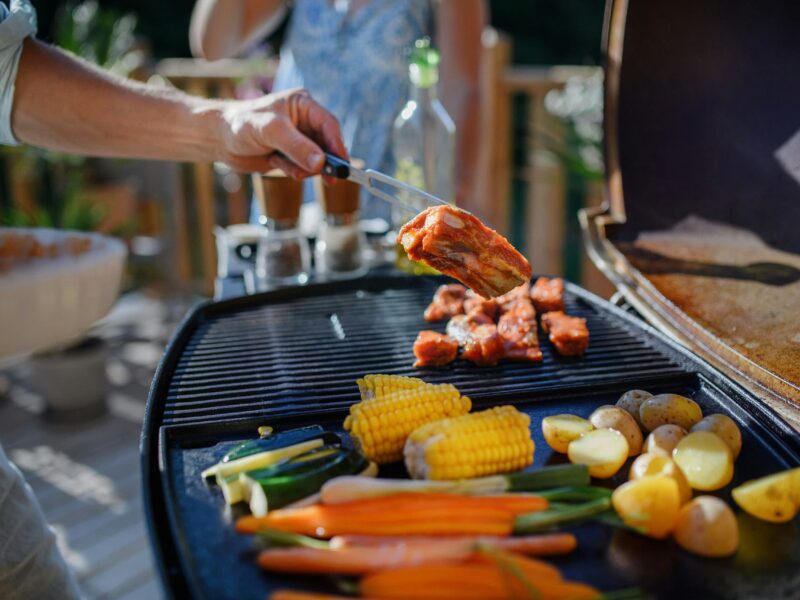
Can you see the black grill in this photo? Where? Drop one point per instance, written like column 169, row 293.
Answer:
column 290, row 358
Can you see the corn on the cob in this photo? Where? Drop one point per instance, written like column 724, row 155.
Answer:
column 372, row 386
column 492, row 441
column 381, row 425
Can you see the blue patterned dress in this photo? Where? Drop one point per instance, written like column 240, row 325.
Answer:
column 354, row 62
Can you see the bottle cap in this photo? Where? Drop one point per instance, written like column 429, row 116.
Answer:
column 341, row 196
column 279, row 196
column 423, row 66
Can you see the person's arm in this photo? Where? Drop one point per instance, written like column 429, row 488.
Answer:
column 226, row 28
column 65, row 104
column 459, row 27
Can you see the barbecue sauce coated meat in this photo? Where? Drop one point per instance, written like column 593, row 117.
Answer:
column 484, row 346
column 518, row 328
column 447, row 302
column 473, row 303
column 434, row 349
column 568, row 334
column 548, row 294
column 457, row 244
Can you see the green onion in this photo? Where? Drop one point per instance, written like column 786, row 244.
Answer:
column 275, row 537
column 560, row 514
column 581, row 493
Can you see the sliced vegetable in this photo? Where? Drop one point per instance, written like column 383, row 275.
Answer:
column 613, row 417
column 669, row 408
column 631, row 401
column 650, row 504
column 497, row 440
column 705, row 459
column 657, row 464
column 269, row 440
column 708, row 527
column 603, row 451
column 346, row 489
column 774, row 498
column 664, row 438
column 560, row 430
column 725, row 428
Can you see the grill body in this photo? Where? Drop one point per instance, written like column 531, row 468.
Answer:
column 290, row 357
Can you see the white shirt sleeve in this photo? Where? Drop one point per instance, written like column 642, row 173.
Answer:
column 17, row 21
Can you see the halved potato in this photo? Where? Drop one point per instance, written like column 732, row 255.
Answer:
column 669, row 408
column 657, row 464
column 705, row 459
column 631, row 401
column 724, row 427
column 613, row 417
column 708, row 527
column 774, row 498
column 664, row 438
column 604, row 451
column 560, row 430
column 650, row 503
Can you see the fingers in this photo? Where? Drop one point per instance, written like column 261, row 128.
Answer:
column 316, row 122
column 284, row 137
column 264, row 163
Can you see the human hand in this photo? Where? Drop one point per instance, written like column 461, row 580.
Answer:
column 286, row 131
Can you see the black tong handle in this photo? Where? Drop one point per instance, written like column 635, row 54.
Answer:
column 336, row 167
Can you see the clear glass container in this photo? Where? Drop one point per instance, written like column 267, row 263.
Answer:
column 283, row 257
column 423, row 142
column 339, row 251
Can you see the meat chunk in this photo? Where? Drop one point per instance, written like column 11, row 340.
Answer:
column 461, row 326
column 434, row 349
column 519, row 332
column 456, row 243
column 548, row 294
column 484, row 346
column 448, row 301
column 568, row 334
column 473, row 303
column 520, row 292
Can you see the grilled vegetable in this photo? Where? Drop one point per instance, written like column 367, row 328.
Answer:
column 346, row 489
column 775, row 498
column 725, row 428
column 381, row 425
column 604, row 451
column 705, row 459
column 650, row 504
column 497, row 440
column 268, row 489
column 560, row 430
column 271, row 441
column 663, row 439
column 669, row 408
column 372, row 386
column 707, row 526
column 657, row 464
column 613, row 417
column 631, row 401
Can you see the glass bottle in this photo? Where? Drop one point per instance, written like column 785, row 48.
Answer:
column 339, row 250
column 423, row 142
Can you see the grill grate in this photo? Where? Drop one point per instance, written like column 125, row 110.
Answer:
column 304, row 352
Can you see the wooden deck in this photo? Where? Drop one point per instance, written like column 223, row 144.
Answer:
column 86, row 476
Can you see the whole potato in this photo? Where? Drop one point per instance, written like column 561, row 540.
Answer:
column 708, row 527
column 725, row 428
column 560, row 430
column 614, row 417
column 669, row 408
column 664, row 438
column 631, row 401
column 657, row 464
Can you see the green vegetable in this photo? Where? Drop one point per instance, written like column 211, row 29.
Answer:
column 560, row 514
column 271, row 441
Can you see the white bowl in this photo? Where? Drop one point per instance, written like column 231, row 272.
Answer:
column 47, row 303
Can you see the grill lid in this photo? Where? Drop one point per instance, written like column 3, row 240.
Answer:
column 699, row 229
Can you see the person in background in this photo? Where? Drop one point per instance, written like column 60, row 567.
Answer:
column 50, row 99
column 351, row 55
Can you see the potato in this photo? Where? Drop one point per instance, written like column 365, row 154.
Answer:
column 664, row 438
column 725, row 428
column 560, row 430
column 651, row 503
column 705, row 459
column 774, row 498
column 631, row 401
column 657, row 464
column 604, row 451
column 613, row 417
column 669, row 408
column 708, row 527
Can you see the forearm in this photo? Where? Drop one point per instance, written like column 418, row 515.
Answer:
column 226, row 28
column 64, row 104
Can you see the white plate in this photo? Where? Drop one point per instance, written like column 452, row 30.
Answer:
column 50, row 302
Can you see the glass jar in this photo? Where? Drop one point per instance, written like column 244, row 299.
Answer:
column 283, row 256
column 339, row 251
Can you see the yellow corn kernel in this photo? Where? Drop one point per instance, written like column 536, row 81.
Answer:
column 372, row 386
column 497, row 440
column 381, row 425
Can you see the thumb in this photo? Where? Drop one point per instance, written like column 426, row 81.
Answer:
column 285, row 138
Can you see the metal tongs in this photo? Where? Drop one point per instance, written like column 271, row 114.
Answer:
column 369, row 179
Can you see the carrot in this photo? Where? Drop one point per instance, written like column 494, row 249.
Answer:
column 514, row 503
column 548, row 544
